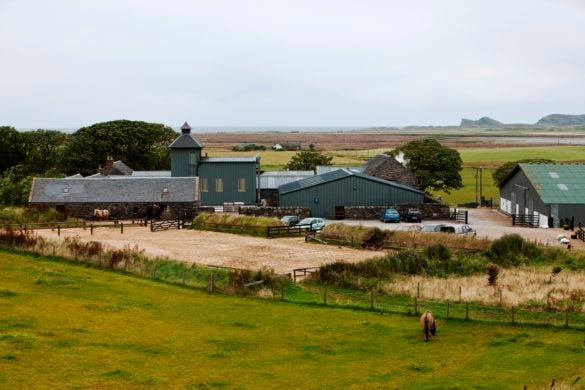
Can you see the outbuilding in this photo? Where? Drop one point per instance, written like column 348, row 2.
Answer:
column 329, row 193
column 545, row 194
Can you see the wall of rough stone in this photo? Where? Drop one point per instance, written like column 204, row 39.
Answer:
column 429, row 211
column 127, row 210
column 276, row 212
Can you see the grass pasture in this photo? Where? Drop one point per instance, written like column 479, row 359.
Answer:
column 67, row 326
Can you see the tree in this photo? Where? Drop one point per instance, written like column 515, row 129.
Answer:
column 308, row 160
column 10, row 148
column 43, row 150
column 436, row 167
column 141, row 145
column 505, row 169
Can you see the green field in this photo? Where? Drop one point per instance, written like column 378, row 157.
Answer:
column 67, row 326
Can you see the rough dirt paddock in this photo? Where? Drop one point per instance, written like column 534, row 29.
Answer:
column 220, row 249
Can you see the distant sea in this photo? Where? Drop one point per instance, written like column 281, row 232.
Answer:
column 238, row 129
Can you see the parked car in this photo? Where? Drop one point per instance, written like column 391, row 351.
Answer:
column 312, row 224
column 413, row 215
column 409, row 228
column 290, row 220
column 465, row 230
column 389, row 215
column 432, row 228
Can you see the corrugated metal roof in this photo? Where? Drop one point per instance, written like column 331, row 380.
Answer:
column 230, row 159
column 118, row 190
column 337, row 175
column 185, row 141
column 274, row 179
column 557, row 183
column 320, row 169
column 151, row 174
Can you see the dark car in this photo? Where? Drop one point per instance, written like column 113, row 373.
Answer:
column 290, row 220
column 413, row 215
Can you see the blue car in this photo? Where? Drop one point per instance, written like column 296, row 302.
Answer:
column 389, row 215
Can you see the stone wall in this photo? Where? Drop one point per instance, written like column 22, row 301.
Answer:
column 429, row 211
column 276, row 212
column 129, row 210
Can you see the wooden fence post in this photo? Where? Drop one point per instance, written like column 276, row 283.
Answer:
column 418, row 290
column 282, row 288
column 459, row 294
column 466, row 310
column 84, row 225
column 91, row 229
column 58, row 230
column 121, row 227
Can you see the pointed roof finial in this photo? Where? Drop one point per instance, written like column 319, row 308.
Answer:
column 186, row 129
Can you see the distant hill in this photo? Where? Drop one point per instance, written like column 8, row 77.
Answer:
column 481, row 122
column 562, row 120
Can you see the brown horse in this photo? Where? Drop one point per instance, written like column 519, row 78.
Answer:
column 428, row 325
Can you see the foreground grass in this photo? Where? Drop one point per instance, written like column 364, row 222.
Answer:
column 65, row 326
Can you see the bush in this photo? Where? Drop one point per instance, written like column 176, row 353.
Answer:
column 236, row 220
column 366, row 237
column 513, row 250
column 493, row 272
column 239, row 279
column 11, row 215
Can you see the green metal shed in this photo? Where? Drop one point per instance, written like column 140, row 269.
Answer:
column 549, row 192
column 325, row 193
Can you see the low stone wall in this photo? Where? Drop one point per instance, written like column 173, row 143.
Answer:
column 276, row 212
column 129, row 210
column 428, row 211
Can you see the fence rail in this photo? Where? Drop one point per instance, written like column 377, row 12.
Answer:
column 460, row 216
column 167, row 224
column 525, row 220
column 261, row 231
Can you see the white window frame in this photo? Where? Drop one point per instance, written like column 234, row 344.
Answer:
column 241, row 184
column 204, row 184
column 218, row 184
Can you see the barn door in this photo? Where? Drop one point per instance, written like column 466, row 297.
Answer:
column 339, row 212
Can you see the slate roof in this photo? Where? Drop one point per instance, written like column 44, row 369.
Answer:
column 387, row 168
column 118, row 190
column 556, row 183
column 320, row 169
column 334, row 176
column 185, row 141
column 121, row 168
column 244, row 159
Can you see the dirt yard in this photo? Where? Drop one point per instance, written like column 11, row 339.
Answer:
column 221, row 249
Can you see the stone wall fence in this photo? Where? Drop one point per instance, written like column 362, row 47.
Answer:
column 275, row 212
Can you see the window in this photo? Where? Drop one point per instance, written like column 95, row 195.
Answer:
column 204, row 184
column 219, row 184
column 241, row 184
column 192, row 158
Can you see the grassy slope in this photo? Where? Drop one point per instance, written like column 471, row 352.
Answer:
column 67, row 326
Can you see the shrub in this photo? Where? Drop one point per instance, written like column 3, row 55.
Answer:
column 238, row 280
column 513, row 250
column 493, row 272
column 367, row 237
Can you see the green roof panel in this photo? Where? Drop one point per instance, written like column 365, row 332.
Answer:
column 557, row 183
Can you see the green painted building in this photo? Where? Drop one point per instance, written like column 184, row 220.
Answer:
column 328, row 192
column 221, row 179
column 548, row 192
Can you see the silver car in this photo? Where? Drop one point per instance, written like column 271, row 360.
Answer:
column 312, row 224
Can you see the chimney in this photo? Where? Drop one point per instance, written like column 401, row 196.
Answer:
column 185, row 129
column 109, row 167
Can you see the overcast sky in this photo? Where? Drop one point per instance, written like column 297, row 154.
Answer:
column 289, row 63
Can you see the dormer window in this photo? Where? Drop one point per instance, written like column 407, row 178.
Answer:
column 66, row 190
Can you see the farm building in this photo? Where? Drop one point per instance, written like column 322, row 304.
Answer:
column 194, row 179
column 389, row 168
column 546, row 193
column 269, row 182
column 289, row 145
column 328, row 193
